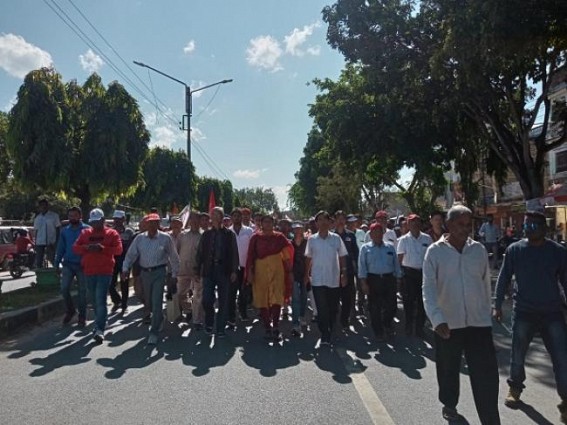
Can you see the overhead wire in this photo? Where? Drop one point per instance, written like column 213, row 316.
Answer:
column 67, row 20
column 116, row 52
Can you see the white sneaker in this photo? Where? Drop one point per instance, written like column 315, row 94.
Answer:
column 152, row 339
column 98, row 336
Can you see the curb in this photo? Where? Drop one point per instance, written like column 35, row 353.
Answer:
column 13, row 321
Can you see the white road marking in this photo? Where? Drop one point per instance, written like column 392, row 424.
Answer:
column 378, row 413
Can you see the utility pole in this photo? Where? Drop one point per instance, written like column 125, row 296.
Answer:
column 188, row 100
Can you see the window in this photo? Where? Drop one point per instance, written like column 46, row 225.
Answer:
column 561, row 162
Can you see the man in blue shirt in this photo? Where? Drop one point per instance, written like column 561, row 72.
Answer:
column 539, row 265
column 71, row 266
column 378, row 269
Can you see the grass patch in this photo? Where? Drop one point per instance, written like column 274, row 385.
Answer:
column 27, row 297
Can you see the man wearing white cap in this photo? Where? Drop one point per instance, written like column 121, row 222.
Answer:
column 126, row 236
column 97, row 246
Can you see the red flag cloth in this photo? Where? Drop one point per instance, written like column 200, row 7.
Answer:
column 212, row 202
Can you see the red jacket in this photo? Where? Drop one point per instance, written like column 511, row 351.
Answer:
column 101, row 262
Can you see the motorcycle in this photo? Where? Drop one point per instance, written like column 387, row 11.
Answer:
column 21, row 263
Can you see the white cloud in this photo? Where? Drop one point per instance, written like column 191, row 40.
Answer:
column 8, row 106
column 281, row 195
column 189, row 48
column 264, row 52
column 195, row 85
column 18, row 57
column 197, row 135
column 249, row 174
column 163, row 136
column 298, row 37
column 90, row 61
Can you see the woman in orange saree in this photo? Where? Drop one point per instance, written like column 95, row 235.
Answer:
column 269, row 269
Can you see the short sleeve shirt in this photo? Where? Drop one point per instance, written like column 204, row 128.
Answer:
column 324, row 254
column 413, row 249
column 45, row 226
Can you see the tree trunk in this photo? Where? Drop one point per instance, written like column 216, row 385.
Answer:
column 84, row 194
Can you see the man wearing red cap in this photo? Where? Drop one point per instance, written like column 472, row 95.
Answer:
column 155, row 250
column 411, row 251
column 378, row 268
column 389, row 234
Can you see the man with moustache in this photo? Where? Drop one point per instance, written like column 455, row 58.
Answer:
column 71, row 267
column 457, row 300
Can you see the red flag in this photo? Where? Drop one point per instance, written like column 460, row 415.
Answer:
column 212, row 202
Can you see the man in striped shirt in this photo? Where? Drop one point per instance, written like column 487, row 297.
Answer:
column 155, row 250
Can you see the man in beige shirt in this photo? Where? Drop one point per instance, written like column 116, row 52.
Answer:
column 187, row 281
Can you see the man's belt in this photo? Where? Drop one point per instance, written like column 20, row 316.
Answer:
column 154, row 268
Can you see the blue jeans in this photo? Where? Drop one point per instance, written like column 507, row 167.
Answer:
column 98, row 288
column 298, row 302
column 68, row 273
column 219, row 280
column 554, row 334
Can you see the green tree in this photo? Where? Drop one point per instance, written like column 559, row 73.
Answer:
column 167, row 179
column 258, row 199
column 312, row 164
column 376, row 132
column 5, row 163
column 87, row 141
column 204, row 187
column 486, row 65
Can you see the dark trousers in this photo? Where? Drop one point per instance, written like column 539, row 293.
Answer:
column 239, row 293
column 217, row 279
column 477, row 345
column 381, row 301
column 327, row 302
column 42, row 252
column 413, row 298
column 360, row 296
column 347, row 298
column 121, row 299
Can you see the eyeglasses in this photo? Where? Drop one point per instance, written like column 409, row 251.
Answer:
column 531, row 226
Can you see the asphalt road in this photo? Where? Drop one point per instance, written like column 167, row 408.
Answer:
column 58, row 375
column 11, row 284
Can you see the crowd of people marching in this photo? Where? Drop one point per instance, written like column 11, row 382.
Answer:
column 217, row 266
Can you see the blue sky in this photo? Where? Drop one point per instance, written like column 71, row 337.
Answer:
column 251, row 131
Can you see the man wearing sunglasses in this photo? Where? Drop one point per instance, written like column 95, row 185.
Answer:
column 539, row 265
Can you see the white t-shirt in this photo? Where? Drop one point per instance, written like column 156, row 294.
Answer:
column 413, row 249
column 324, row 254
column 45, row 226
column 242, row 241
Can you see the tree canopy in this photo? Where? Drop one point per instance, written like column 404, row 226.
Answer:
column 477, row 73
column 88, row 141
column 258, row 199
column 168, row 178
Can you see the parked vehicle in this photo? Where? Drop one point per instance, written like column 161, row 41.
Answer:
column 7, row 243
column 21, row 263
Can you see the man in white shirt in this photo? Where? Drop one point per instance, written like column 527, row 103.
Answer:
column 243, row 234
column 46, row 225
column 411, row 251
column 325, row 255
column 457, row 299
column 490, row 234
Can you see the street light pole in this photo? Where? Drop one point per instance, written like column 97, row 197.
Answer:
column 188, row 100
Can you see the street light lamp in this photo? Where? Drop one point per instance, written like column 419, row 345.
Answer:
column 188, row 100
